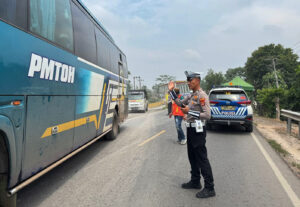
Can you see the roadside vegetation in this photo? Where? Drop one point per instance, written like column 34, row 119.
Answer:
column 294, row 164
column 277, row 147
column 273, row 70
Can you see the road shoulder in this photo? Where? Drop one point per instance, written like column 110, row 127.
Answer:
column 288, row 146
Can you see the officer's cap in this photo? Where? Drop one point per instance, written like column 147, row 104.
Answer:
column 190, row 75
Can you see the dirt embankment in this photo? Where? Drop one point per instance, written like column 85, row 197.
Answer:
column 274, row 130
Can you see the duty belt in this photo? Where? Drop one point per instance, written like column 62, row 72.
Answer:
column 193, row 124
column 190, row 124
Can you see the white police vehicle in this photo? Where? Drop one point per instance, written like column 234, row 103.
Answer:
column 230, row 105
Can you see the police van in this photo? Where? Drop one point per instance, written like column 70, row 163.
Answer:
column 230, row 106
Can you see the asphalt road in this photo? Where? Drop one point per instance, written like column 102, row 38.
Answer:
column 135, row 171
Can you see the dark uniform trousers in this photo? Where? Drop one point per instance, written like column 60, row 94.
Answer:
column 197, row 154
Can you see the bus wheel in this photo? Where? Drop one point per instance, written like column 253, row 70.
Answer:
column 5, row 201
column 115, row 128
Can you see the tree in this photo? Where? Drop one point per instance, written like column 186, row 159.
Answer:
column 212, row 79
column 269, row 80
column 231, row 73
column 267, row 99
column 293, row 96
column 163, row 79
column 261, row 62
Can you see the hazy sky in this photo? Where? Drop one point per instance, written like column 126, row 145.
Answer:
column 170, row 36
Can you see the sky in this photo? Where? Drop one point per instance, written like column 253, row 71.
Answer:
column 170, row 36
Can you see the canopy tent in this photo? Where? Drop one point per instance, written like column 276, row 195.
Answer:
column 237, row 81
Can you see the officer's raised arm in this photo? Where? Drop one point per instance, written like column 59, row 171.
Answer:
column 180, row 103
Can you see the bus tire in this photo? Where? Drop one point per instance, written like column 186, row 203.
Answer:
column 115, row 128
column 5, row 200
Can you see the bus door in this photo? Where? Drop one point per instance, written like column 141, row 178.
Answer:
column 121, row 92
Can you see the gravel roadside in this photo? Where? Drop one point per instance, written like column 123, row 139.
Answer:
column 288, row 146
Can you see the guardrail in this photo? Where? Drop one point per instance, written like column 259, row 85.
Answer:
column 291, row 115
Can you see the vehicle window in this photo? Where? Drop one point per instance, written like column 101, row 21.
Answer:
column 14, row 12
column 136, row 96
column 53, row 21
column 103, row 52
column 228, row 95
column 114, row 56
column 84, row 34
column 125, row 66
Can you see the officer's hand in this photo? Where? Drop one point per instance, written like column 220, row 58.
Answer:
column 185, row 110
column 171, row 85
column 170, row 115
column 184, row 117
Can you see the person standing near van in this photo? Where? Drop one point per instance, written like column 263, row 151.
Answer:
column 178, row 117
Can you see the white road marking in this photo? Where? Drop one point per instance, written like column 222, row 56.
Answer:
column 292, row 195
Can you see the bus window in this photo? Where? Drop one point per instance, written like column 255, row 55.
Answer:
column 85, row 43
column 53, row 21
column 14, row 12
column 114, row 57
column 125, row 66
column 103, row 50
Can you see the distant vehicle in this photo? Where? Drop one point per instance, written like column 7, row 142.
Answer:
column 63, row 86
column 230, row 105
column 137, row 100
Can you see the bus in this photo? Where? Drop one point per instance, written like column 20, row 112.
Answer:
column 62, row 87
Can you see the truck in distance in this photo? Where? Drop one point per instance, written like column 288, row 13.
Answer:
column 137, row 100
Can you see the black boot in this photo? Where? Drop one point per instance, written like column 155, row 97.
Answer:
column 206, row 193
column 191, row 185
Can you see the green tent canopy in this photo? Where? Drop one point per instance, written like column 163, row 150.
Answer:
column 237, row 81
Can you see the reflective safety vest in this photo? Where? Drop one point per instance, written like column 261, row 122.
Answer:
column 176, row 111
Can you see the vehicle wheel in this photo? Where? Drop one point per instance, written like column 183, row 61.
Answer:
column 208, row 126
column 115, row 128
column 4, row 199
column 249, row 128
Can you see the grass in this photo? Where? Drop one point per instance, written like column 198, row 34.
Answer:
column 296, row 165
column 278, row 147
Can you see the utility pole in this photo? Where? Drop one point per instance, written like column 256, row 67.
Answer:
column 277, row 101
column 139, row 79
column 138, row 83
column 275, row 72
column 134, row 82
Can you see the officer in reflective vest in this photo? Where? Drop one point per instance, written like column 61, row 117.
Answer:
column 196, row 107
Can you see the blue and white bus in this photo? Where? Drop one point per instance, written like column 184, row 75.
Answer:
column 62, row 86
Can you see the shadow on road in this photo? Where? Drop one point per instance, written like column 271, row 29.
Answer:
column 36, row 192
column 225, row 129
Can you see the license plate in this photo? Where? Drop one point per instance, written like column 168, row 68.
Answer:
column 231, row 113
column 228, row 108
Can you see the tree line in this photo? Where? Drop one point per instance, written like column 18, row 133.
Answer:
column 273, row 70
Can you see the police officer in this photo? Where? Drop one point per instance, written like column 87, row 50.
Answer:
column 197, row 110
